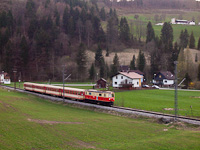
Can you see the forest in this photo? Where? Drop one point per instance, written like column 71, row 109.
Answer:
column 40, row 37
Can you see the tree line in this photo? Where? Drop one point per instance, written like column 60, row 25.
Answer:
column 38, row 37
column 52, row 34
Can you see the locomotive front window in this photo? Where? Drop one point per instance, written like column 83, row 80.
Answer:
column 113, row 95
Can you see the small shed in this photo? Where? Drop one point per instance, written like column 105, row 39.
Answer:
column 101, row 83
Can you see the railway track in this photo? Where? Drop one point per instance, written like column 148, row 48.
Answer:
column 161, row 115
column 117, row 109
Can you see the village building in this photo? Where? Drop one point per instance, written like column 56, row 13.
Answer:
column 4, row 78
column 130, row 79
column 124, row 68
column 183, row 22
column 140, row 73
column 101, row 83
column 164, row 78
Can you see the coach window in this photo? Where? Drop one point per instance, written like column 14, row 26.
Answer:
column 89, row 93
column 99, row 94
column 116, row 77
column 115, row 82
column 121, row 77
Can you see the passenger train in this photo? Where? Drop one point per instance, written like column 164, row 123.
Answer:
column 95, row 96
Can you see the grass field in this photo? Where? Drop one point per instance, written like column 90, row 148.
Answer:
column 158, row 100
column 28, row 122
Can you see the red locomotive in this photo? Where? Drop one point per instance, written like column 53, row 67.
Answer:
column 95, row 96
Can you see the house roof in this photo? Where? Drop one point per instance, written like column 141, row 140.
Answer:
column 168, row 75
column 131, row 75
column 102, row 79
column 5, row 74
column 124, row 68
column 137, row 71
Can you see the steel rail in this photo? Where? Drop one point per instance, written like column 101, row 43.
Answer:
column 158, row 113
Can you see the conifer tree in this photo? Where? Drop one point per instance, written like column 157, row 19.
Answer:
column 24, row 51
column 187, row 80
column 124, row 30
column 198, row 75
column 196, row 58
column 150, row 33
column 81, row 60
column 198, row 47
column 103, row 14
column 92, row 72
column 132, row 64
column 98, row 56
column 141, row 61
column 107, row 52
column 192, row 41
column 184, row 38
column 102, row 68
column 66, row 20
column 115, row 65
column 167, row 37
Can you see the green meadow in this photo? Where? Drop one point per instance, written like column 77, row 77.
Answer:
column 28, row 122
column 160, row 100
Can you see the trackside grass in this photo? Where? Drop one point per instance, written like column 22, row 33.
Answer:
column 160, row 100
column 28, row 122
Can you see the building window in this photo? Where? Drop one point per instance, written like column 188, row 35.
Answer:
column 121, row 77
column 137, row 83
column 165, row 81
column 115, row 82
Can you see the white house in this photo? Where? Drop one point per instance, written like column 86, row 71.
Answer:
column 183, row 22
column 122, row 78
column 4, row 78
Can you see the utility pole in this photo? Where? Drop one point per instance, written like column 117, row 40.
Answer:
column 15, row 71
column 63, row 83
column 20, row 74
column 175, row 95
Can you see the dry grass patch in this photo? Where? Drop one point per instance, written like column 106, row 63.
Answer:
column 51, row 122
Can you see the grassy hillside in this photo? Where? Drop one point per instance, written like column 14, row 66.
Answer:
column 147, row 16
column 28, row 122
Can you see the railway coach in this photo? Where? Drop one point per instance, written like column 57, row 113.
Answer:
column 101, row 97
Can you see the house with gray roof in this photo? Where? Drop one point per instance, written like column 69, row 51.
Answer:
column 164, row 78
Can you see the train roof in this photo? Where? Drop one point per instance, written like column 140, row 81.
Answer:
column 91, row 90
column 53, row 86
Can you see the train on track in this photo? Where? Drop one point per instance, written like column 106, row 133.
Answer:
column 94, row 96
